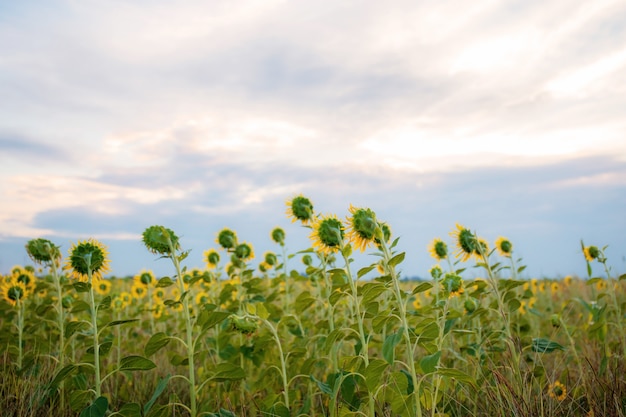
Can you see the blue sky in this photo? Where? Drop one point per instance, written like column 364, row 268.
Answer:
column 507, row 118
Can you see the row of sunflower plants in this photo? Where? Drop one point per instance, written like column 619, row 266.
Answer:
column 307, row 333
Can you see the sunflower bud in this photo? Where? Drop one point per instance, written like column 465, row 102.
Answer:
column 160, row 240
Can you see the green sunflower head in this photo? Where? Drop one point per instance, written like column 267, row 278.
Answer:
column 227, row 239
column 300, row 208
column 278, row 236
column 43, row 251
column 160, row 240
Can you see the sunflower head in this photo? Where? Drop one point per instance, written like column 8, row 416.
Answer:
column 270, row 259
column 244, row 252
column 25, row 277
column 362, row 227
column 466, row 242
column 43, row 251
column 557, row 391
column 591, row 252
column 385, row 231
column 160, row 240
column 278, row 236
column 227, row 239
column 102, row 287
column 300, row 208
column 438, row 249
column 452, row 284
column 436, row 272
column 504, row 246
column 138, row 290
column 145, row 278
column 327, row 234
column 14, row 291
column 211, row 258
column 89, row 257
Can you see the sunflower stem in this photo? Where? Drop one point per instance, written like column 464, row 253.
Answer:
column 94, row 325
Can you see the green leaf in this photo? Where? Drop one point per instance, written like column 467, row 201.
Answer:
column 157, row 342
column 136, row 363
column 324, row 387
column 621, row 277
column 458, row 375
column 62, row 374
column 105, row 303
column 365, row 270
column 74, row 326
column 374, row 373
column 157, row 391
column 214, row 318
column 389, row 346
column 80, row 306
column 303, row 302
column 130, row 410
column 164, row 282
column 118, row 322
column 81, row 286
column 543, row 345
column 424, row 286
column 429, row 362
column 371, row 291
column 396, row 259
column 228, row 372
column 97, row 409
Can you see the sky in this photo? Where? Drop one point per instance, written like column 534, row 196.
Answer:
column 508, row 117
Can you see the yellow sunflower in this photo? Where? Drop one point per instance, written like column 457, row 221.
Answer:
column 102, row 287
column 14, row 291
column 557, row 391
column 466, row 242
column 211, row 258
column 504, row 246
column 300, row 208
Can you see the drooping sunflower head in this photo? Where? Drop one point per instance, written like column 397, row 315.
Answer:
column 327, row 234
column 466, row 242
column 300, row 208
column 504, row 246
column 386, row 233
column 362, row 227
column 14, row 292
column 438, row 249
column 452, row 284
column 557, row 391
column 43, row 251
column 591, row 252
column 278, row 236
column 145, row 278
column 160, row 240
column 89, row 257
column 102, row 287
column 211, row 258
column 227, row 239
column 482, row 248
column 244, row 252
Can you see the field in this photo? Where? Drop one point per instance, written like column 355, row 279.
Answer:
column 307, row 334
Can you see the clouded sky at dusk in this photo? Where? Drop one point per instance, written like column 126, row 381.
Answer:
column 508, row 117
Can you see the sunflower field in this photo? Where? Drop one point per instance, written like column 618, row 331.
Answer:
column 306, row 333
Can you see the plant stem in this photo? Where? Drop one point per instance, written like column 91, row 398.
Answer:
column 94, row 326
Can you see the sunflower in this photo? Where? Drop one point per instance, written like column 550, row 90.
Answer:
column 362, row 227
column 244, row 252
column 557, row 391
column 270, row 259
column 327, row 234
column 504, row 246
column 452, row 284
column 466, row 242
column 102, row 287
column 145, row 278
column 211, row 258
column 436, row 272
column 438, row 249
column 300, row 208
column 138, row 290
column 227, row 239
column 14, row 291
column 482, row 248
column 591, row 252
column 26, row 277
column 43, row 251
column 278, row 236
column 160, row 240
column 87, row 258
